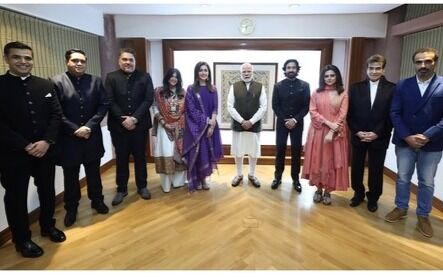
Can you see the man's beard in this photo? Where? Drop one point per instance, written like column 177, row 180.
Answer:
column 291, row 74
column 246, row 80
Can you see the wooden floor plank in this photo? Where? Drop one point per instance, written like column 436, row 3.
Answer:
column 235, row 228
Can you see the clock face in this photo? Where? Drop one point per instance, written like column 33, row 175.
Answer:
column 247, row 26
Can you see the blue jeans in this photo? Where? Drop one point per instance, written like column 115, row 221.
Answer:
column 426, row 163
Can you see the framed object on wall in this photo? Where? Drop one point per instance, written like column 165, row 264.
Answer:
column 226, row 74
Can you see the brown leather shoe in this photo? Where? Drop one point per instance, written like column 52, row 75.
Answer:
column 424, row 226
column 395, row 215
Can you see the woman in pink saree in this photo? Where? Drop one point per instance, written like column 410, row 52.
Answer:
column 326, row 150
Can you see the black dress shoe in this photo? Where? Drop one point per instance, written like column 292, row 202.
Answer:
column 54, row 234
column 29, row 249
column 297, row 186
column 70, row 218
column 275, row 183
column 144, row 193
column 100, row 207
column 355, row 201
column 372, row 206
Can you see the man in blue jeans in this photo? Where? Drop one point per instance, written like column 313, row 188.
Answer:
column 417, row 116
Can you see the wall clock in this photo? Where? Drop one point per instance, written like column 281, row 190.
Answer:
column 247, row 26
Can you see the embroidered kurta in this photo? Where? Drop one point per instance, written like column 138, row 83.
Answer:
column 326, row 163
column 170, row 107
column 200, row 153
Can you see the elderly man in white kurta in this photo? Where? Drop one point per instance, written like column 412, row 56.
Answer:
column 247, row 103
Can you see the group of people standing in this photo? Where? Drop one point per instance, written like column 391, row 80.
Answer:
column 44, row 123
column 364, row 116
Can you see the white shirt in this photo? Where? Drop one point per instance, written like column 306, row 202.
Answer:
column 258, row 114
column 423, row 85
column 373, row 90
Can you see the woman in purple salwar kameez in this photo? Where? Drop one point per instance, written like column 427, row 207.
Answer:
column 202, row 147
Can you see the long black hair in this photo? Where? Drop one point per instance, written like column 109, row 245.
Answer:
column 338, row 81
column 178, row 87
column 196, row 85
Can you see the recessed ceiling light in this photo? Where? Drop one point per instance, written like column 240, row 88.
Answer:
column 293, row 5
column 204, row 5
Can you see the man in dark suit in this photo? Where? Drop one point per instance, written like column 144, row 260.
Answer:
column 370, row 126
column 130, row 93
column 30, row 117
column 417, row 116
column 84, row 103
column 290, row 102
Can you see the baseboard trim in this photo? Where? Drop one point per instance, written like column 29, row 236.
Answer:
column 5, row 235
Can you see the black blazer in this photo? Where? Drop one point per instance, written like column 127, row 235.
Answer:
column 29, row 112
column 130, row 96
column 361, row 117
column 84, row 103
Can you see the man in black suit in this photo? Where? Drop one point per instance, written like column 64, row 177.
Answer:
column 130, row 94
column 290, row 102
column 370, row 126
column 84, row 103
column 30, row 117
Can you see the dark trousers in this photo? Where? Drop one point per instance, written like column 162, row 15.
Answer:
column 125, row 144
column 295, row 136
column 376, row 160
column 15, row 177
column 72, row 184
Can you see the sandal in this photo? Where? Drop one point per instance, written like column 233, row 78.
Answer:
column 318, row 197
column 205, row 185
column 254, row 180
column 327, row 198
column 237, row 180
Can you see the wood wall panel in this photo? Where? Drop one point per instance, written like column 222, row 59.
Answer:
column 49, row 42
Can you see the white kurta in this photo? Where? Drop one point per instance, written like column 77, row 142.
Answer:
column 246, row 143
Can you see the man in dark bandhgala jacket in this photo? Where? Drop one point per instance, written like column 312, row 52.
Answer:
column 30, row 117
column 130, row 93
column 84, row 103
column 290, row 102
column 370, row 127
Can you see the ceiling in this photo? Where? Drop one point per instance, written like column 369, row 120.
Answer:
column 227, row 7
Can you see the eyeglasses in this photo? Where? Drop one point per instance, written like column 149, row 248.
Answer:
column 76, row 61
column 426, row 62
column 330, row 76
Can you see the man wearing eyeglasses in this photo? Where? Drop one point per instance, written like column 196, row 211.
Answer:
column 84, row 103
column 417, row 116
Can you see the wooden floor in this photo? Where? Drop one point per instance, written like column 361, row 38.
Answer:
column 235, row 228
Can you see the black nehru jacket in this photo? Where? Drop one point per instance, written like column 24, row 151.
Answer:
column 29, row 112
column 129, row 95
column 247, row 103
column 290, row 99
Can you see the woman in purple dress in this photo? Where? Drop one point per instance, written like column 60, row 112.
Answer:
column 202, row 147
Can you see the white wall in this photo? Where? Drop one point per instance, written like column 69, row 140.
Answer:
column 266, row 26
column 33, row 202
